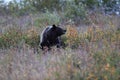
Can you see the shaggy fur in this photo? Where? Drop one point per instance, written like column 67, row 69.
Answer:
column 50, row 36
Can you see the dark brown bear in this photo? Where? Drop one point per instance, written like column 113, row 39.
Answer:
column 50, row 36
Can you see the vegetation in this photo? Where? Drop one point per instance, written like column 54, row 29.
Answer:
column 92, row 41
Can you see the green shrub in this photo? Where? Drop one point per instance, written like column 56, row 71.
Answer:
column 10, row 38
column 47, row 18
column 75, row 12
column 64, row 41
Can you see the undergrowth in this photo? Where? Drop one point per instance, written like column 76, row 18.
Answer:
column 90, row 55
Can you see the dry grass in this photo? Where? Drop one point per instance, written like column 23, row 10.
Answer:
column 54, row 65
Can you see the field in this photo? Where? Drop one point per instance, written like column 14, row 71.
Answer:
column 92, row 51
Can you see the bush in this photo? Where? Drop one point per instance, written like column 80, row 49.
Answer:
column 72, row 37
column 75, row 12
column 10, row 38
column 32, row 38
column 47, row 19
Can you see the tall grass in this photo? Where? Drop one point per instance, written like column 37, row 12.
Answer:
column 92, row 54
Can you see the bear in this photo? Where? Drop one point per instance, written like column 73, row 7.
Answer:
column 51, row 36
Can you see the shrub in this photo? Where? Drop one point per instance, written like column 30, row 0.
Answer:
column 32, row 37
column 10, row 38
column 75, row 12
column 72, row 36
column 47, row 18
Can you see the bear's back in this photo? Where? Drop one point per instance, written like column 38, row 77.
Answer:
column 44, row 33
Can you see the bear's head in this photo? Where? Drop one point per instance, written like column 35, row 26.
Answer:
column 57, row 30
column 53, row 32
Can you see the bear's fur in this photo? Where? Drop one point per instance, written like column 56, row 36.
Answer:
column 50, row 36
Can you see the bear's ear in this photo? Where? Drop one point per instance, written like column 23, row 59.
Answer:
column 53, row 26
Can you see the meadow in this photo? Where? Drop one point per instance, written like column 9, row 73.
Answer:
column 91, row 52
